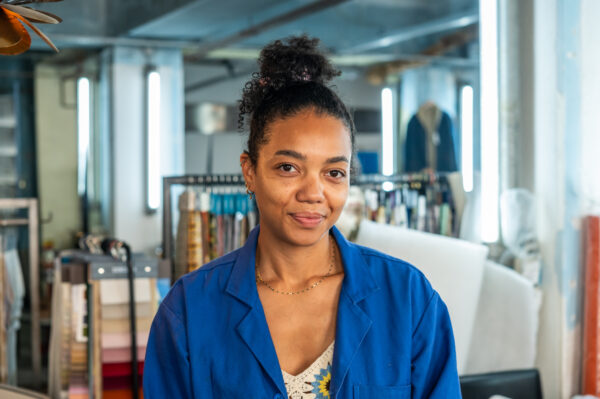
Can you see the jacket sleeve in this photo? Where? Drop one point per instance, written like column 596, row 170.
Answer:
column 434, row 372
column 167, row 365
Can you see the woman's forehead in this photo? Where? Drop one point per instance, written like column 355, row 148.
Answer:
column 309, row 132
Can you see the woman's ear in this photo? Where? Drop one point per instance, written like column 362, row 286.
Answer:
column 247, row 170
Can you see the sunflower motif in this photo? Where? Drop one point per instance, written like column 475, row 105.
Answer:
column 321, row 383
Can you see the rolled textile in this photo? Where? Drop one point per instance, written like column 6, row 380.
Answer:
column 591, row 321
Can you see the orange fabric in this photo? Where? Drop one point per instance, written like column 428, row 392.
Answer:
column 591, row 321
column 120, row 394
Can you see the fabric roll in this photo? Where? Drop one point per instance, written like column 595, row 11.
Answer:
column 194, row 241
column 186, row 204
column 591, row 320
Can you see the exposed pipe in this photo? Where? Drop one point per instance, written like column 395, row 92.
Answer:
column 254, row 30
column 451, row 22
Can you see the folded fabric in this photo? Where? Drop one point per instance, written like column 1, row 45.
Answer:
column 116, row 291
column 118, row 382
column 120, row 355
column 123, row 340
column 123, row 325
column 120, row 369
column 120, row 394
column 121, row 311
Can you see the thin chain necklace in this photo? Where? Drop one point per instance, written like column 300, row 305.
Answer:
column 275, row 290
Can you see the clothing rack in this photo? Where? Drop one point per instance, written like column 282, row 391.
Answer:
column 406, row 178
column 416, row 180
column 231, row 180
column 421, row 201
column 32, row 222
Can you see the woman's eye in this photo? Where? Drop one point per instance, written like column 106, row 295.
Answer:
column 337, row 174
column 286, row 167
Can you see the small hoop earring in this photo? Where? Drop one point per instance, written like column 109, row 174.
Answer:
column 250, row 194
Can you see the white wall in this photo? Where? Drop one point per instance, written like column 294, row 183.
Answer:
column 56, row 145
column 130, row 221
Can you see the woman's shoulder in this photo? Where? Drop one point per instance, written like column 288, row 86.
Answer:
column 206, row 281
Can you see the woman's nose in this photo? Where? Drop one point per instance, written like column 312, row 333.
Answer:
column 311, row 189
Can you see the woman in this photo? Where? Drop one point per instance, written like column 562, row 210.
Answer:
column 299, row 312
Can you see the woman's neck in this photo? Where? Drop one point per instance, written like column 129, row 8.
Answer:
column 291, row 266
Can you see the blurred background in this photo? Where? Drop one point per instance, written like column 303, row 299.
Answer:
column 477, row 135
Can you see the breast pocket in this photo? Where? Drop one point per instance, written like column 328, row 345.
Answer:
column 379, row 392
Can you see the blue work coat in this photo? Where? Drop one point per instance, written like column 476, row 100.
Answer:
column 210, row 337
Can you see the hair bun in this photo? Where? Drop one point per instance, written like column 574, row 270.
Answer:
column 284, row 63
column 297, row 61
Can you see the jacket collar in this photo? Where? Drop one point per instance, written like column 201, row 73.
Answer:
column 358, row 279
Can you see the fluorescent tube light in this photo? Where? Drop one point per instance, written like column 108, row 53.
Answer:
column 488, row 27
column 466, row 126
column 153, row 183
column 387, row 132
column 83, row 132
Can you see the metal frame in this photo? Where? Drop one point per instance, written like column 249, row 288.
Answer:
column 190, row 180
column 32, row 221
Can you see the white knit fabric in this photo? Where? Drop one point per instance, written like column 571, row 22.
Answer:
column 312, row 383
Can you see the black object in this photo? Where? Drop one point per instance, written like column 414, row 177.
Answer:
column 132, row 320
column 514, row 384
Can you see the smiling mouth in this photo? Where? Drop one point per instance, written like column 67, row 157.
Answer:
column 306, row 219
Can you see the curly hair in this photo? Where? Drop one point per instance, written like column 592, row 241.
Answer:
column 293, row 77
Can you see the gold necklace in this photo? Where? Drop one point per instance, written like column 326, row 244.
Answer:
column 275, row 290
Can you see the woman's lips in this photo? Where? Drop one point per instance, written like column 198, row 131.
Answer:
column 308, row 219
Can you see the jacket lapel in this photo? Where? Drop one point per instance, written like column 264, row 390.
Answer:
column 253, row 328
column 353, row 323
column 255, row 332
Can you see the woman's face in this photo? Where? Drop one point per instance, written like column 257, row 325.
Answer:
column 301, row 177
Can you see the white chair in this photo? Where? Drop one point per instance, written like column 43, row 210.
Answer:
column 494, row 310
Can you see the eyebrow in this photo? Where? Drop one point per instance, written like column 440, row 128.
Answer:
column 297, row 155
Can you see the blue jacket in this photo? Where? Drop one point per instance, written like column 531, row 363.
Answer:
column 210, row 338
column 415, row 147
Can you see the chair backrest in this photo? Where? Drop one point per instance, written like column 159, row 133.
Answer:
column 516, row 384
column 454, row 268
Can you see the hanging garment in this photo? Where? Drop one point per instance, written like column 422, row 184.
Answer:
column 16, row 285
column 185, row 206
column 430, row 142
column 194, row 240
column 205, row 226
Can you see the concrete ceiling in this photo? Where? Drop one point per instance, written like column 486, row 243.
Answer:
column 204, row 27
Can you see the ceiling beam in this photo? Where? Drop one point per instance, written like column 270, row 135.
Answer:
column 451, row 22
column 124, row 16
column 312, row 8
